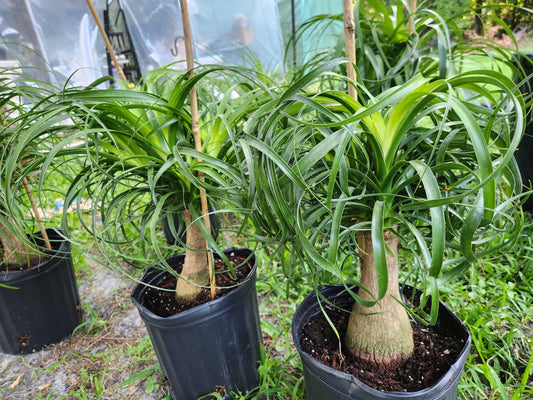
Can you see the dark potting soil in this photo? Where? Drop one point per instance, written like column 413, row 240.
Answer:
column 433, row 355
column 32, row 262
column 164, row 302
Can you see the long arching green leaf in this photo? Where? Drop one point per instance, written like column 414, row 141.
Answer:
column 470, row 225
column 438, row 223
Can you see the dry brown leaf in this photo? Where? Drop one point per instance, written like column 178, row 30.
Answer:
column 17, row 381
column 42, row 387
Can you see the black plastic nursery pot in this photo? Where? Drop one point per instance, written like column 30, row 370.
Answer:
column 214, row 345
column 44, row 306
column 323, row 382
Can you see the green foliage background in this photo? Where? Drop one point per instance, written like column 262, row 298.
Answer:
column 513, row 12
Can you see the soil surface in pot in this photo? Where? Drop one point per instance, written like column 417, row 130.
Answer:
column 24, row 266
column 164, row 303
column 434, row 353
column 30, row 263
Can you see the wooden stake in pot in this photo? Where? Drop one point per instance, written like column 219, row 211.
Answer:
column 37, row 214
column 412, row 6
column 349, row 44
column 106, row 41
column 195, row 127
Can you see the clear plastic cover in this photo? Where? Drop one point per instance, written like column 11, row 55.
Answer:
column 62, row 32
column 321, row 37
column 237, row 32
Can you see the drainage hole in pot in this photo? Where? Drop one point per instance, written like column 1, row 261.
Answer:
column 220, row 390
column 23, row 342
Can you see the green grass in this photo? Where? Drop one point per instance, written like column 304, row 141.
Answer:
column 495, row 302
column 280, row 370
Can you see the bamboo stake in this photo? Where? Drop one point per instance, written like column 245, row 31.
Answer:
column 196, row 128
column 37, row 214
column 349, row 44
column 106, row 41
column 412, row 5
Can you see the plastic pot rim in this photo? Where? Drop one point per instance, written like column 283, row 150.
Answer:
column 313, row 364
column 12, row 278
column 196, row 313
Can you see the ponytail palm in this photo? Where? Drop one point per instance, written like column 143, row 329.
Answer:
column 25, row 139
column 142, row 164
column 397, row 40
column 428, row 164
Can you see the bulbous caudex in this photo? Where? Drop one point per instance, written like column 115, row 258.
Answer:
column 381, row 333
column 195, row 273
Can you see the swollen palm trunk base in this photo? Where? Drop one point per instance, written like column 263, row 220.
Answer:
column 45, row 306
column 214, row 345
column 323, row 382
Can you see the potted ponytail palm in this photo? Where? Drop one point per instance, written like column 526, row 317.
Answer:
column 426, row 167
column 39, row 300
column 142, row 167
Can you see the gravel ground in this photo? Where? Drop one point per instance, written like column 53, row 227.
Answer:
column 94, row 364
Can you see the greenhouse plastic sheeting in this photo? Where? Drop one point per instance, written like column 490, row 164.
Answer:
column 294, row 13
column 229, row 32
column 54, row 34
column 240, row 32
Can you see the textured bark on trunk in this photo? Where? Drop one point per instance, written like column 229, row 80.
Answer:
column 195, row 273
column 16, row 252
column 381, row 333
